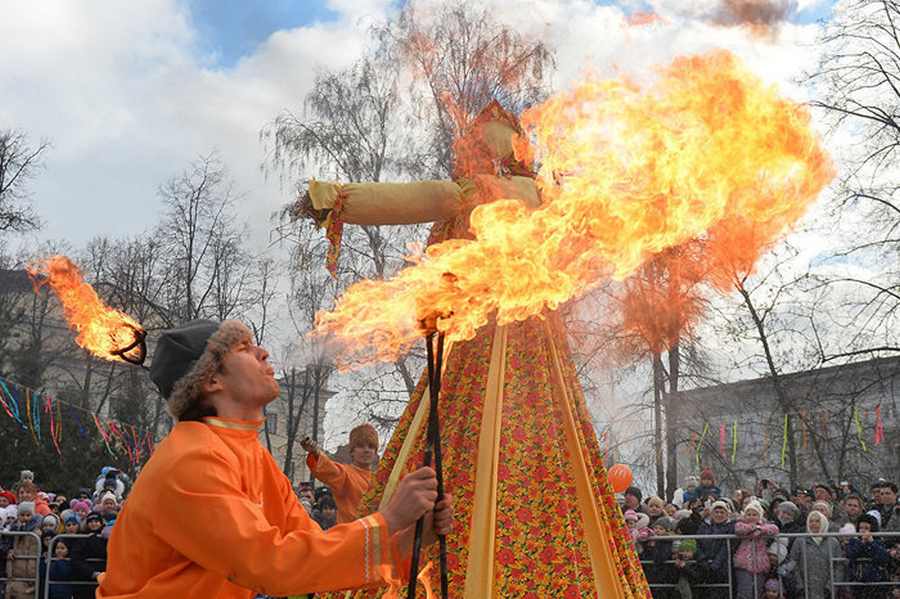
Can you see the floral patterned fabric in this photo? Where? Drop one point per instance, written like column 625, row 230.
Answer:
column 540, row 547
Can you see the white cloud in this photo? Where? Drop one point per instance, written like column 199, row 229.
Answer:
column 125, row 97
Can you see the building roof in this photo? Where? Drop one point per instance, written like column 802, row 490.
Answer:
column 881, row 367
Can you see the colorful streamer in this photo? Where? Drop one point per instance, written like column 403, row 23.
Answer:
column 859, row 430
column 784, row 443
column 879, row 426
column 722, row 439
column 700, row 443
column 103, row 434
column 734, row 441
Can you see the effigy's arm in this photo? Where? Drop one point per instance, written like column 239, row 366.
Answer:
column 333, row 204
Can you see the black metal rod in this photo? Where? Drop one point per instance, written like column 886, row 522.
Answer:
column 439, row 462
column 429, row 440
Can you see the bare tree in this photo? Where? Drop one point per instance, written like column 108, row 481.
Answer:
column 204, row 243
column 858, row 93
column 465, row 58
column 363, row 124
column 19, row 162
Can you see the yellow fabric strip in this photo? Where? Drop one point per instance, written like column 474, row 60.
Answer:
column 233, row 425
column 389, row 203
column 411, row 435
column 606, row 580
column 480, row 565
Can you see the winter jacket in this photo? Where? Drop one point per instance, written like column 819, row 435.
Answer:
column 867, row 571
column 813, row 571
column 22, row 562
column 752, row 553
column 61, row 570
column 87, row 555
column 689, row 526
column 714, row 554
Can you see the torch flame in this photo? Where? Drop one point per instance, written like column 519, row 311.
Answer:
column 705, row 151
column 105, row 332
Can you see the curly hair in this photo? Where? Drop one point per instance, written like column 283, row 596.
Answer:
column 186, row 401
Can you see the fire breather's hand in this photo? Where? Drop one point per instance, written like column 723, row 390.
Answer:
column 309, row 445
column 414, row 497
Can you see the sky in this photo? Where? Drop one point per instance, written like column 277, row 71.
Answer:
column 128, row 93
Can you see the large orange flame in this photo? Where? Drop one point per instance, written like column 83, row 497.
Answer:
column 105, row 332
column 627, row 171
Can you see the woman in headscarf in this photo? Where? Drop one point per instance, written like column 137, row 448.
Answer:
column 811, row 560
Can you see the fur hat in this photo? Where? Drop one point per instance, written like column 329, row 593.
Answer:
column 754, row 506
column 26, row 506
column 26, row 475
column 50, row 521
column 720, row 504
column 779, row 550
column 108, row 495
column 643, row 520
column 665, row 523
column 824, row 507
column 631, row 515
column 681, row 515
column 364, row 434
column 188, row 355
column 789, row 507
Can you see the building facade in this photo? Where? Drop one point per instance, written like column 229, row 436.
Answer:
column 840, row 423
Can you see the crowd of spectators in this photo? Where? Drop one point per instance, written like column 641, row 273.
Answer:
column 89, row 516
column 78, row 559
column 747, row 554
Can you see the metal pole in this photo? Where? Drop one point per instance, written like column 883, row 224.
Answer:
column 439, row 464
column 315, row 431
column 730, row 565
column 432, row 446
column 805, row 569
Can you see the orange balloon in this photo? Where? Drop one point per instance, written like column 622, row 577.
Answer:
column 620, row 477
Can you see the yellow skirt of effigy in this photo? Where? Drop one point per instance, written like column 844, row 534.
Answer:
column 534, row 514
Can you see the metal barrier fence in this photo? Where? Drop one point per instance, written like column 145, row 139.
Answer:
column 21, row 586
column 724, row 584
column 36, row 585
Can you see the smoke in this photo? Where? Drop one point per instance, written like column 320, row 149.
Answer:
column 759, row 15
column 766, row 14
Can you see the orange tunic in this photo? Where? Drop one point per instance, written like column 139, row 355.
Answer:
column 348, row 484
column 212, row 516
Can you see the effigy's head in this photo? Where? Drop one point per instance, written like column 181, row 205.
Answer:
column 491, row 144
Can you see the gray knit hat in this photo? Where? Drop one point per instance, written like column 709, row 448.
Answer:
column 187, row 355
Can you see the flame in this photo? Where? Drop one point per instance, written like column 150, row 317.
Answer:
column 105, row 332
column 704, row 152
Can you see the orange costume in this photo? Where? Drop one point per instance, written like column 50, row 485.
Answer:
column 348, row 483
column 212, row 516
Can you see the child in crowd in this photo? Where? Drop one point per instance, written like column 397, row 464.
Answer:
column 751, row 561
column 60, row 571
column 867, row 559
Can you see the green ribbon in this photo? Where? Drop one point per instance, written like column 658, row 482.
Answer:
column 733, row 441
column 700, row 444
